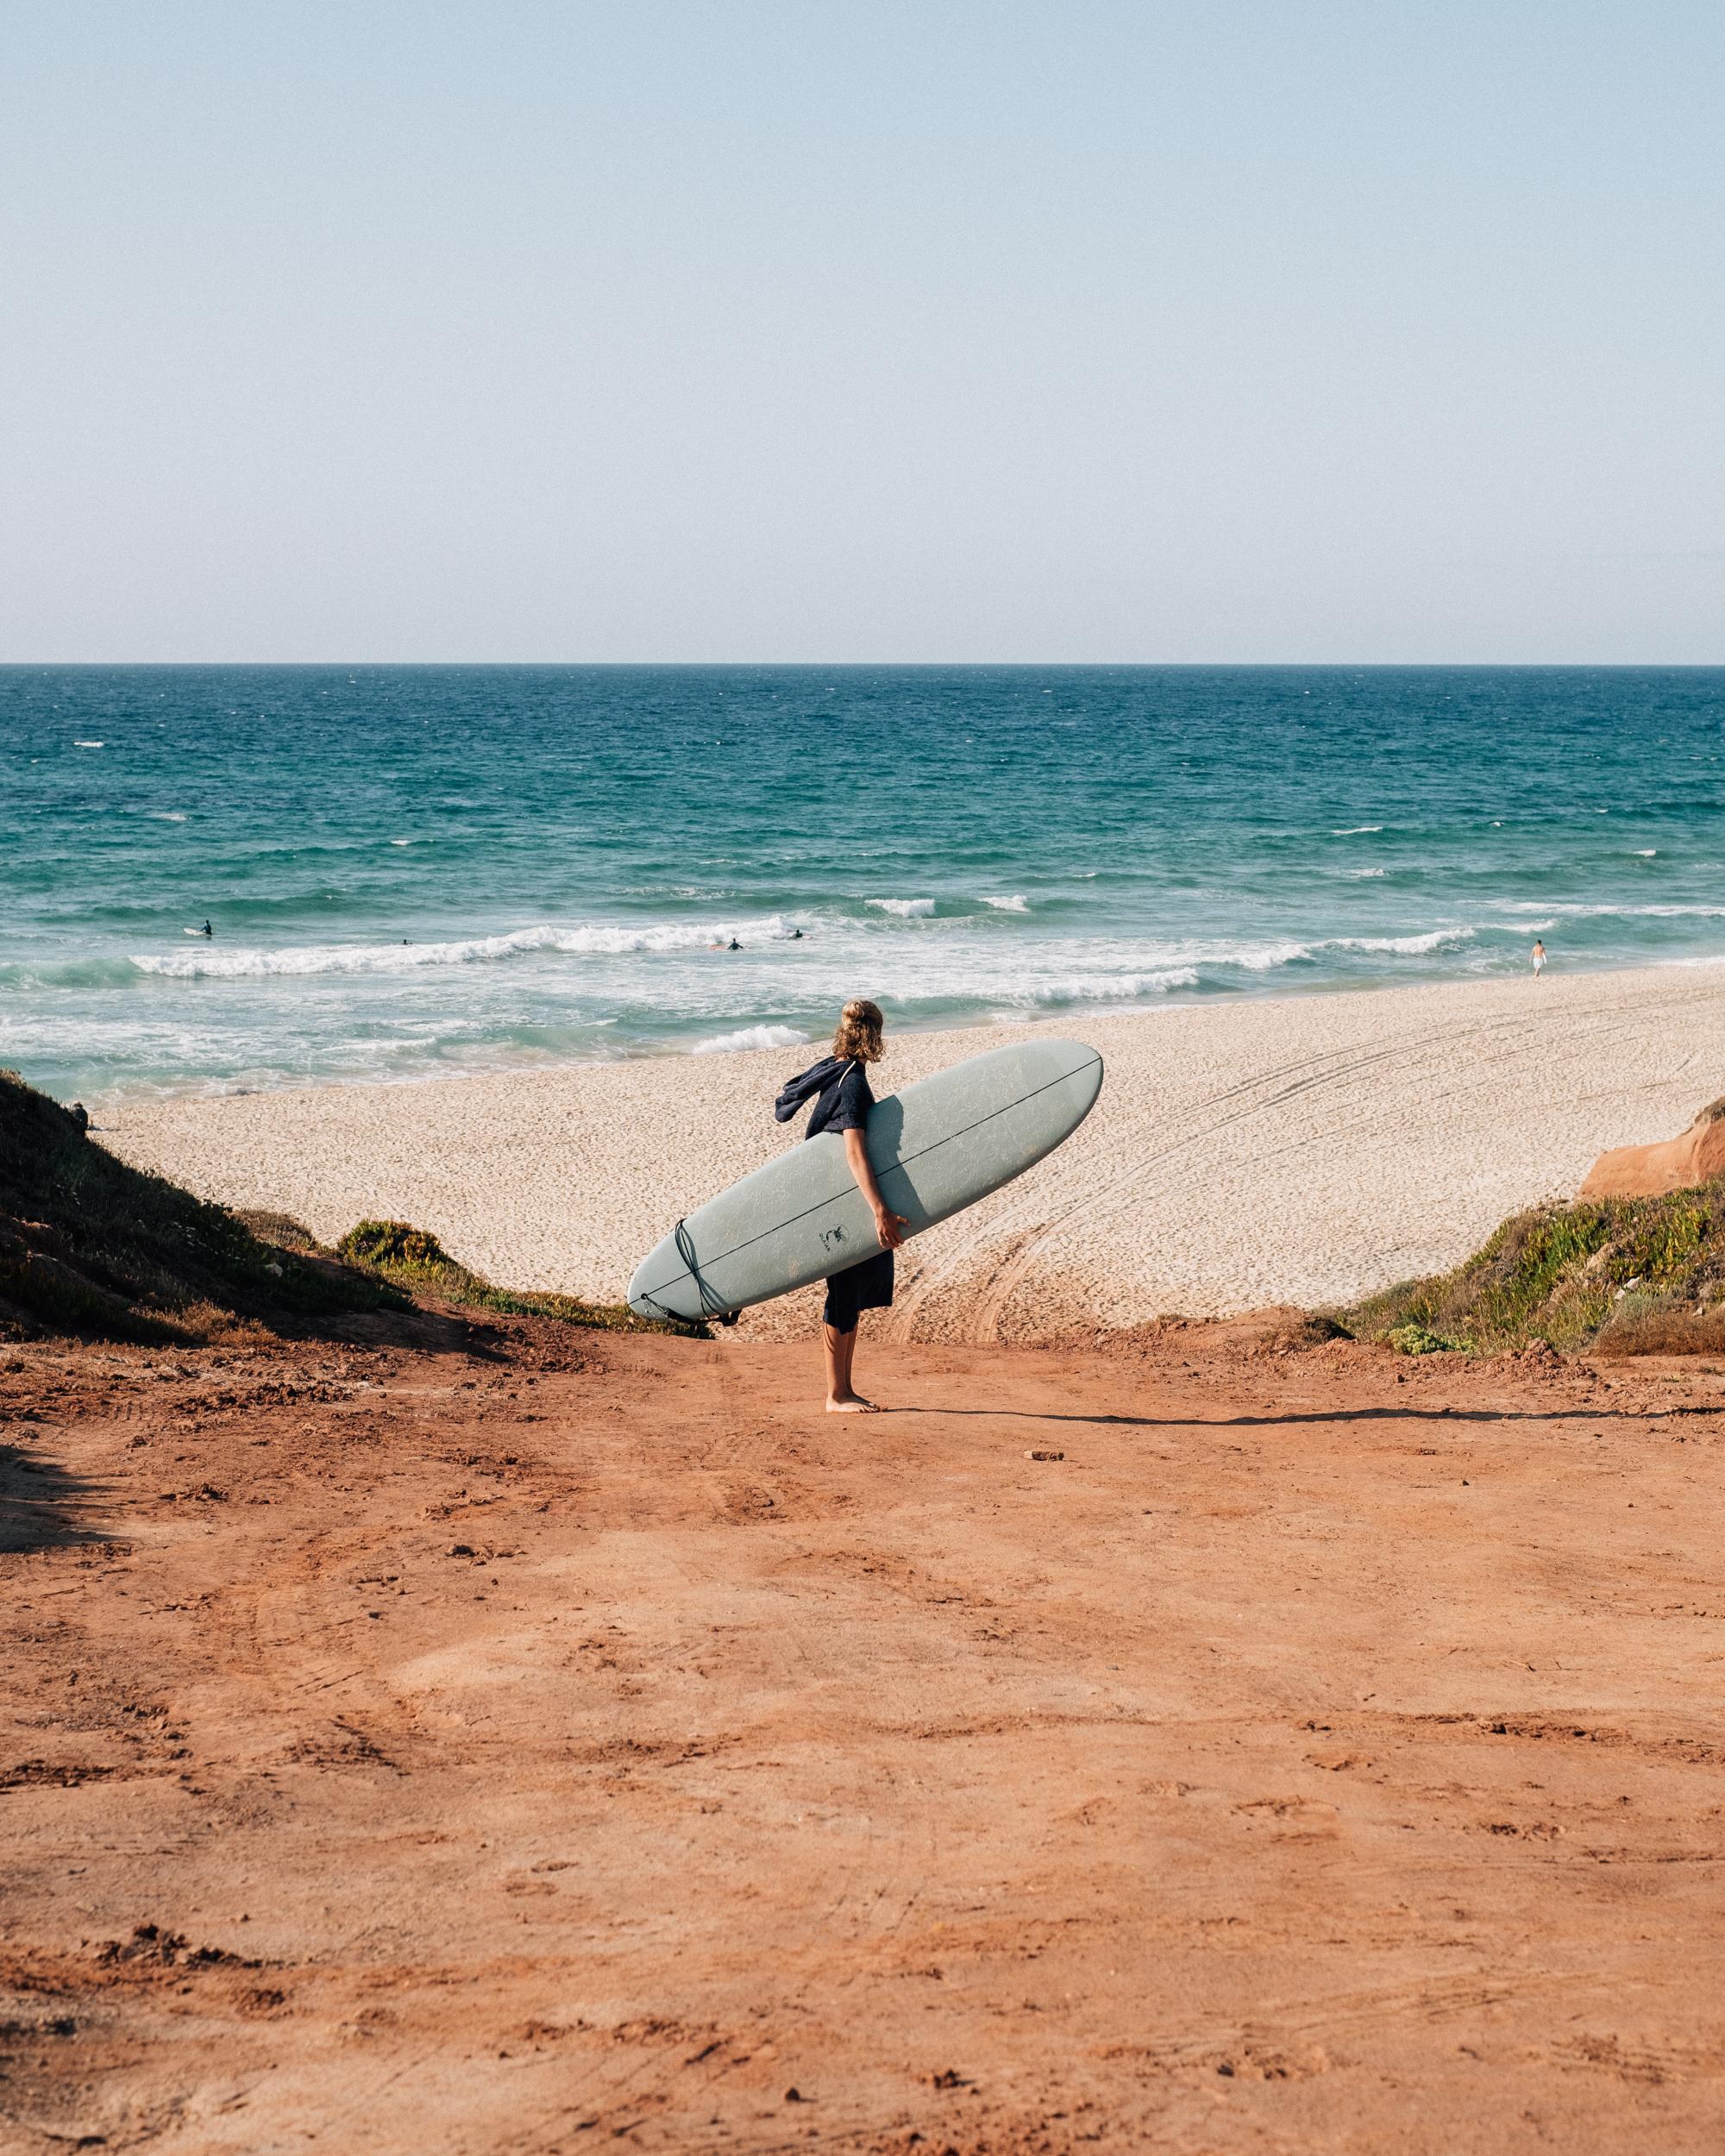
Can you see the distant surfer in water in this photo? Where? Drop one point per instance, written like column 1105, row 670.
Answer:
column 838, row 1085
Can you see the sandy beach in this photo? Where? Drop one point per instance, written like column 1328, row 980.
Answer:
column 1303, row 1149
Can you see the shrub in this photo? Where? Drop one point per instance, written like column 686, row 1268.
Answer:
column 392, row 1244
column 1419, row 1339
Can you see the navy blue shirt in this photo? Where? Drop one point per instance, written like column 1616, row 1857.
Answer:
column 844, row 1097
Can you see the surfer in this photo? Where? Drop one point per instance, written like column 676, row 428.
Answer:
column 838, row 1085
column 206, row 930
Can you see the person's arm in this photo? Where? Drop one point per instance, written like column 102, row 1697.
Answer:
column 890, row 1226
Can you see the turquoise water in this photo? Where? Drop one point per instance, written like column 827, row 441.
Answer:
column 415, row 871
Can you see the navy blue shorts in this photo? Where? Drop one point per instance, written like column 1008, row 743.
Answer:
column 858, row 1288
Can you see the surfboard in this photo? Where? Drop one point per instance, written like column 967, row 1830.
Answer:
column 936, row 1147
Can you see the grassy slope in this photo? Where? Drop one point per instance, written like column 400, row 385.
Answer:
column 415, row 1260
column 1624, row 1275
column 88, row 1244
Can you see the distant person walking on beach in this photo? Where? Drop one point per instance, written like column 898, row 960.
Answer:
column 1538, row 958
column 838, row 1085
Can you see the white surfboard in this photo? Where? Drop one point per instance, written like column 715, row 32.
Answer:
column 936, row 1147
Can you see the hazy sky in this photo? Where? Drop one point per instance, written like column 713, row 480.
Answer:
column 1372, row 329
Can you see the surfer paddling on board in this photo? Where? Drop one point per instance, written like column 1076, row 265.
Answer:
column 838, row 1085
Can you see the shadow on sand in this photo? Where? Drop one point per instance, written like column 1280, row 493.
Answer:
column 43, row 1506
column 1271, row 1422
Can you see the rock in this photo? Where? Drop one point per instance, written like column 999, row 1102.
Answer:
column 1648, row 1171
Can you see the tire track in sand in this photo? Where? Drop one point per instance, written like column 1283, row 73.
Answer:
column 982, row 1268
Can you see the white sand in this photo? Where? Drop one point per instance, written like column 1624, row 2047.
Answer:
column 1303, row 1150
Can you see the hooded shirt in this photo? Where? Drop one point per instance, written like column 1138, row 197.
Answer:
column 843, row 1101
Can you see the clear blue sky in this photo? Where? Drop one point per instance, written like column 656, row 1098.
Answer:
column 1287, row 329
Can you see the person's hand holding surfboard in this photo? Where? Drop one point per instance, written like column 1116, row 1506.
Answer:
column 890, row 1226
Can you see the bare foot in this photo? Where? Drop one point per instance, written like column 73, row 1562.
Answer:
column 850, row 1404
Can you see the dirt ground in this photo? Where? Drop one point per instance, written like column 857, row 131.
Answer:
column 530, row 1741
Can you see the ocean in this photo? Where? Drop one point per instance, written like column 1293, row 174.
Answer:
column 411, row 872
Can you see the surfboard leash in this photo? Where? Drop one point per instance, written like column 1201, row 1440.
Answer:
column 713, row 1305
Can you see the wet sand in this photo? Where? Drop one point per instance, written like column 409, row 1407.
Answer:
column 521, row 1743
column 1304, row 1150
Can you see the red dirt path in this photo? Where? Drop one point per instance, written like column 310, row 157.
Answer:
column 532, row 1742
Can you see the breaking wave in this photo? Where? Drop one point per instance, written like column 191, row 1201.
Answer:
column 1097, row 987
column 751, row 1037
column 1407, row 946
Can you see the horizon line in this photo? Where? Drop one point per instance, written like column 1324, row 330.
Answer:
column 908, row 665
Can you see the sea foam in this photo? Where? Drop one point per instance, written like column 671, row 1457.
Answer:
column 592, row 940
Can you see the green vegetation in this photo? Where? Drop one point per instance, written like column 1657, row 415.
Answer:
column 414, row 1259
column 1419, row 1339
column 89, row 1246
column 394, row 1246
column 1619, row 1275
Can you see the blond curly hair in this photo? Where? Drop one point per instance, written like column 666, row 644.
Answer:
column 859, row 1027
